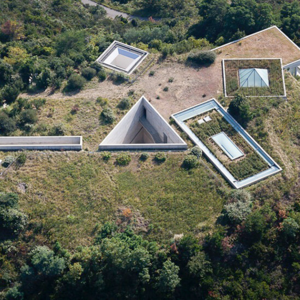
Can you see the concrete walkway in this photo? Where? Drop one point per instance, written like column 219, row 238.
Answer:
column 111, row 13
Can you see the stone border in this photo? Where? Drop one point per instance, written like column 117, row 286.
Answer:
column 211, row 104
column 57, row 143
column 272, row 96
column 116, row 44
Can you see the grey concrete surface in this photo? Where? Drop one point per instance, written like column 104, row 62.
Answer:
column 112, row 13
column 41, row 143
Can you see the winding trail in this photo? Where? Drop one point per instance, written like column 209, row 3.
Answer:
column 112, row 13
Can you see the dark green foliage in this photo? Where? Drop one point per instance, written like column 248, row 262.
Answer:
column 6, row 71
column 166, row 89
column 88, row 73
column 160, row 157
column 123, row 159
column 57, row 129
column 75, row 82
column 7, row 124
column 14, row 294
column 107, row 116
column 102, row 101
column 101, row 75
column 290, row 20
column 10, row 93
column 106, row 155
column 28, row 116
column 239, row 108
column 8, row 160
column 43, row 80
column 70, row 42
column 190, row 162
column 125, row 103
column 290, row 228
column 196, row 151
column 202, row 57
column 12, row 220
column 21, row 159
column 9, row 200
column 144, row 156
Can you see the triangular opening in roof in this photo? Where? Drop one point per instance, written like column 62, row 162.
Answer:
column 254, row 77
column 143, row 128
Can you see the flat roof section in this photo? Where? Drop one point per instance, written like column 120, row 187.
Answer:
column 209, row 105
column 227, row 145
column 122, row 57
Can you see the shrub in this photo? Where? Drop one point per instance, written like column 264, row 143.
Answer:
column 28, row 116
column 196, row 151
column 14, row 294
column 190, row 162
column 165, row 89
column 10, row 93
column 21, row 159
column 12, row 220
column 9, row 200
column 7, row 124
column 202, row 57
column 102, row 75
column 8, row 160
column 123, row 159
column 58, row 129
column 107, row 115
column 75, row 82
column 124, row 103
column 106, row 155
column 75, row 109
column 119, row 78
column 88, row 73
column 38, row 103
column 151, row 73
column 171, row 79
column 290, row 227
column 237, row 212
column 160, row 157
column 239, row 108
column 240, row 195
column 102, row 101
column 144, row 156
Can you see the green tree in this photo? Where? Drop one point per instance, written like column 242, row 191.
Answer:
column 290, row 19
column 290, row 228
column 70, row 42
column 7, row 124
column 239, row 108
column 168, row 279
column 75, row 82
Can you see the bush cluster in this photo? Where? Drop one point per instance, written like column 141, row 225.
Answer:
column 202, row 57
column 123, row 159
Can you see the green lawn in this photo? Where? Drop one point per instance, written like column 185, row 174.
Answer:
column 69, row 195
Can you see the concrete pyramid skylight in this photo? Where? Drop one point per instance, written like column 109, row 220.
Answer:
column 122, row 57
column 254, row 77
column 143, row 128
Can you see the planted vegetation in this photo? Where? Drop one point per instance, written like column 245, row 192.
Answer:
column 232, row 83
column 250, row 164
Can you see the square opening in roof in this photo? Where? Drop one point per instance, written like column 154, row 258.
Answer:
column 122, row 57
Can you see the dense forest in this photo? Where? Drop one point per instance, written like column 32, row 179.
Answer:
column 254, row 250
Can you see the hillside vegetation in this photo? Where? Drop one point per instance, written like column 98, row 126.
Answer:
column 101, row 225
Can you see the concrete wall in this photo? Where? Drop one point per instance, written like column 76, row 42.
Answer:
column 293, row 67
column 160, row 125
column 125, row 133
column 40, row 143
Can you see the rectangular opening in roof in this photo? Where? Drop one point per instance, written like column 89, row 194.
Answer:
column 227, row 145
